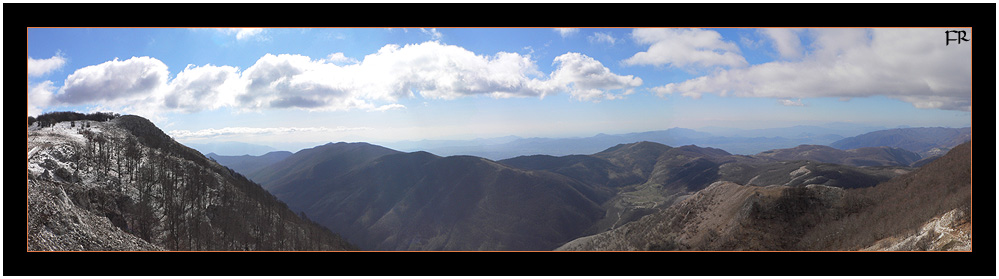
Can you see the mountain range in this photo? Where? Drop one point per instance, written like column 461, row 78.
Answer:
column 927, row 142
column 125, row 185
column 383, row 199
column 509, row 147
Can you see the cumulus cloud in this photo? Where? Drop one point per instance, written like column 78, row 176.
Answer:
column 428, row 70
column 588, row 79
column 206, row 87
column 684, row 48
column 911, row 65
column 114, row 82
column 785, row 41
column 295, row 81
column 40, row 96
column 438, row 71
column 339, row 58
column 39, row 67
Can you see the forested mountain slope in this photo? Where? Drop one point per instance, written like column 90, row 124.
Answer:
column 125, row 185
column 420, row 201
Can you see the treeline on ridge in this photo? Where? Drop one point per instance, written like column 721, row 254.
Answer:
column 51, row 118
column 171, row 196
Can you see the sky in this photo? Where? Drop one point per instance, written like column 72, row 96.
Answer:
column 317, row 85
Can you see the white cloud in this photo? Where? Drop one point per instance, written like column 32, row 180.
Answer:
column 114, row 82
column 437, row 71
column 39, row 67
column 566, row 32
column 684, row 48
column 387, row 107
column 429, row 70
column 791, row 103
column 339, row 58
column 205, row 87
column 911, row 65
column 242, row 33
column 588, row 79
column 40, row 96
column 600, row 37
column 785, row 41
column 296, row 81
column 434, row 34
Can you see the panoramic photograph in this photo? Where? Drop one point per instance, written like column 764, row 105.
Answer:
column 499, row 139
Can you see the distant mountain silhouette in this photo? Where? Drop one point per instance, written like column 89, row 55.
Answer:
column 926, row 142
column 246, row 164
column 509, row 147
column 863, row 156
column 232, row 148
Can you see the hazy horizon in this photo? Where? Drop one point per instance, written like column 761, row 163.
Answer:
column 413, row 145
column 317, row 85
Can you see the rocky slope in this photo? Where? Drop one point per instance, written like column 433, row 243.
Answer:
column 926, row 209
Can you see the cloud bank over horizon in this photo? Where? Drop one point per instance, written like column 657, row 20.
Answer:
column 429, row 70
column 911, row 65
column 792, row 67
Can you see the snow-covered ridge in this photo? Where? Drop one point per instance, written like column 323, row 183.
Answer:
column 124, row 185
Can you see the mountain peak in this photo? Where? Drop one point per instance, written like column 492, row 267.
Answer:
column 636, row 146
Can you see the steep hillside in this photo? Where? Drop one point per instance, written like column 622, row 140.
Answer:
column 899, row 209
column 926, row 209
column 420, row 201
column 125, row 185
column 929, row 141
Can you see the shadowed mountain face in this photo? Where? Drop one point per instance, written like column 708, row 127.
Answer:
column 329, row 160
column 420, row 201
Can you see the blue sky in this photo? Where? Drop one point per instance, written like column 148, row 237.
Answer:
column 377, row 84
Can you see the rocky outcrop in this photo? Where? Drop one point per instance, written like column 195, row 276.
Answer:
column 948, row 232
